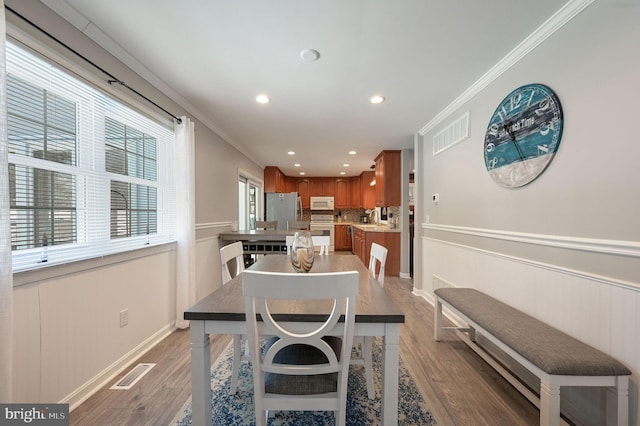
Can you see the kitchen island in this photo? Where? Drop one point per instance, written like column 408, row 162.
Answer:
column 263, row 241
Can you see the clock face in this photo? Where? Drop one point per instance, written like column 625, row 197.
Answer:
column 523, row 135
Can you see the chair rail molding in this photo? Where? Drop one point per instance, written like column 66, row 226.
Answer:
column 592, row 245
column 212, row 225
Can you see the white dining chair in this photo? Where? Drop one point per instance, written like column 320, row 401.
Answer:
column 300, row 370
column 298, row 225
column 322, row 241
column 377, row 261
column 227, row 253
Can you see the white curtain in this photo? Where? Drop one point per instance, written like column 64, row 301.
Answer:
column 185, row 217
column 6, row 275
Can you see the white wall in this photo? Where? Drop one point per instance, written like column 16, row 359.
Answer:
column 68, row 339
column 566, row 247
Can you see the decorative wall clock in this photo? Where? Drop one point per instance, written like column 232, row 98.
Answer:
column 523, row 135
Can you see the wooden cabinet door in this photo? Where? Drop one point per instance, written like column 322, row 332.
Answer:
column 328, row 187
column 302, row 188
column 341, row 199
column 289, row 184
column 342, row 237
column 388, row 170
column 316, row 187
column 368, row 191
column 355, row 198
column 322, row 186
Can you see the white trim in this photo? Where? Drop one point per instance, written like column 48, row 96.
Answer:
column 212, row 225
column 544, row 31
column 629, row 285
column 592, row 245
column 90, row 387
column 60, row 270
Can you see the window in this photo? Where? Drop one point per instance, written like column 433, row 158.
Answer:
column 130, row 152
column 88, row 176
column 248, row 205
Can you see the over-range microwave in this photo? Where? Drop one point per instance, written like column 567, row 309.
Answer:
column 321, row 203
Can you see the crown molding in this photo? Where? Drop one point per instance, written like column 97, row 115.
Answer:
column 543, row 32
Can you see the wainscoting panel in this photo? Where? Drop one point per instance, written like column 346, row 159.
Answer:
column 595, row 309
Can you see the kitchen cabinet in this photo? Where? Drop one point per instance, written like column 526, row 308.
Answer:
column 302, row 188
column 341, row 198
column 359, row 240
column 362, row 241
column 322, row 187
column 368, row 191
column 355, row 198
column 342, row 238
column 388, row 169
column 274, row 180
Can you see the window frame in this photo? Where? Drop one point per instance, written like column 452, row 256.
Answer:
column 93, row 229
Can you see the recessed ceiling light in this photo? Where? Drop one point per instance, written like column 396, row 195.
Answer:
column 296, row 165
column 263, row 99
column 345, row 165
column 352, row 153
column 302, row 173
column 343, row 173
column 376, row 99
column 291, row 153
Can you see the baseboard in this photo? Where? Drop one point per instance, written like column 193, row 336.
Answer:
column 85, row 391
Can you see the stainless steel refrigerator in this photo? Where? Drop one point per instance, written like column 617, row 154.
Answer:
column 283, row 207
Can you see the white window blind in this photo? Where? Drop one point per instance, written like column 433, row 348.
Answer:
column 88, row 175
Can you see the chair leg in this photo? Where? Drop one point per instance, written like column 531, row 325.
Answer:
column 237, row 357
column 367, row 352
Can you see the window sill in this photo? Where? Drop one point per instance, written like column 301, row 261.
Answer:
column 56, row 271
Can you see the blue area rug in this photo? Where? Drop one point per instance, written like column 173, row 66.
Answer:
column 237, row 409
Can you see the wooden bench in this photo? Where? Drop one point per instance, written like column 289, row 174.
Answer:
column 556, row 358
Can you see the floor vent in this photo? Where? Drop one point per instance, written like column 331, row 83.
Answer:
column 132, row 377
column 454, row 133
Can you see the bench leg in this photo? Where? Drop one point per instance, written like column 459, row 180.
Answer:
column 549, row 404
column 437, row 321
column 618, row 402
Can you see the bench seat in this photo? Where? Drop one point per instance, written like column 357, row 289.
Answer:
column 555, row 357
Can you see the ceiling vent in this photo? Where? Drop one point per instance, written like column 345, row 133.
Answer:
column 454, row 133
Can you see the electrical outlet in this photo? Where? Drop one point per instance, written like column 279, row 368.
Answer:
column 124, row 317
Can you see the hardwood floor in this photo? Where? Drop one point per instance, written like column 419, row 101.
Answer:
column 459, row 387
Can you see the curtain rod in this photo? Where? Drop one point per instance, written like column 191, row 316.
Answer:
column 112, row 78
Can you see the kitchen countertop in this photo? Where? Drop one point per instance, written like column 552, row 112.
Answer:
column 370, row 227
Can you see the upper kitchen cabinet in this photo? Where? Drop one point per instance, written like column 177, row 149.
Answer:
column 322, row 187
column 388, row 169
column 368, row 192
column 274, row 180
column 341, row 197
column 355, row 197
column 302, row 188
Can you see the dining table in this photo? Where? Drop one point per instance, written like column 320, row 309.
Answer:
column 223, row 312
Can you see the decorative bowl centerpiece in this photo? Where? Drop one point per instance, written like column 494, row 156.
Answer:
column 302, row 251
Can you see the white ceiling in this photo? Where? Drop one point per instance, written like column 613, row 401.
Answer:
column 214, row 56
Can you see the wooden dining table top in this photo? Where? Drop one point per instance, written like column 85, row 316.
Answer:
column 373, row 305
